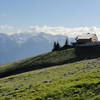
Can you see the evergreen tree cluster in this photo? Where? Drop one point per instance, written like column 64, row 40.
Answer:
column 57, row 46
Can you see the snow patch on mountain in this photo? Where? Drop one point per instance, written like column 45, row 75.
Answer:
column 37, row 40
column 65, row 31
column 23, row 45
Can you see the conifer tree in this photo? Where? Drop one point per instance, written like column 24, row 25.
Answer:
column 56, row 46
column 66, row 43
column 66, row 46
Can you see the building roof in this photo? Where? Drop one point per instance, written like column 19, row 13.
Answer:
column 85, row 36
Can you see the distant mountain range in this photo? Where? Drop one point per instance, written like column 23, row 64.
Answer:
column 18, row 46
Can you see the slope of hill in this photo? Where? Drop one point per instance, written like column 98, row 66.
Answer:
column 19, row 46
column 75, row 81
column 38, row 62
column 50, row 59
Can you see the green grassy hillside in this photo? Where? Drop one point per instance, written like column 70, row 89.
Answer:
column 50, row 59
column 75, row 81
column 38, row 62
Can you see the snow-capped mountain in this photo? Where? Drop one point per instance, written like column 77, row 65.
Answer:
column 23, row 45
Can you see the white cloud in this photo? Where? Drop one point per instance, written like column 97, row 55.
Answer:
column 6, row 27
column 71, row 32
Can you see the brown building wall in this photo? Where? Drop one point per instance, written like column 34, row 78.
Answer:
column 92, row 39
column 81, row 41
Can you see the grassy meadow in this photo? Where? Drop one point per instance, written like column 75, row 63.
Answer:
column 75, row 81
column 38, row 62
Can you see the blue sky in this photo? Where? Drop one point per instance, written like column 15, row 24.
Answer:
column 21, row 14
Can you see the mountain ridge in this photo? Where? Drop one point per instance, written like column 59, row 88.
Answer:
column 23, row 45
